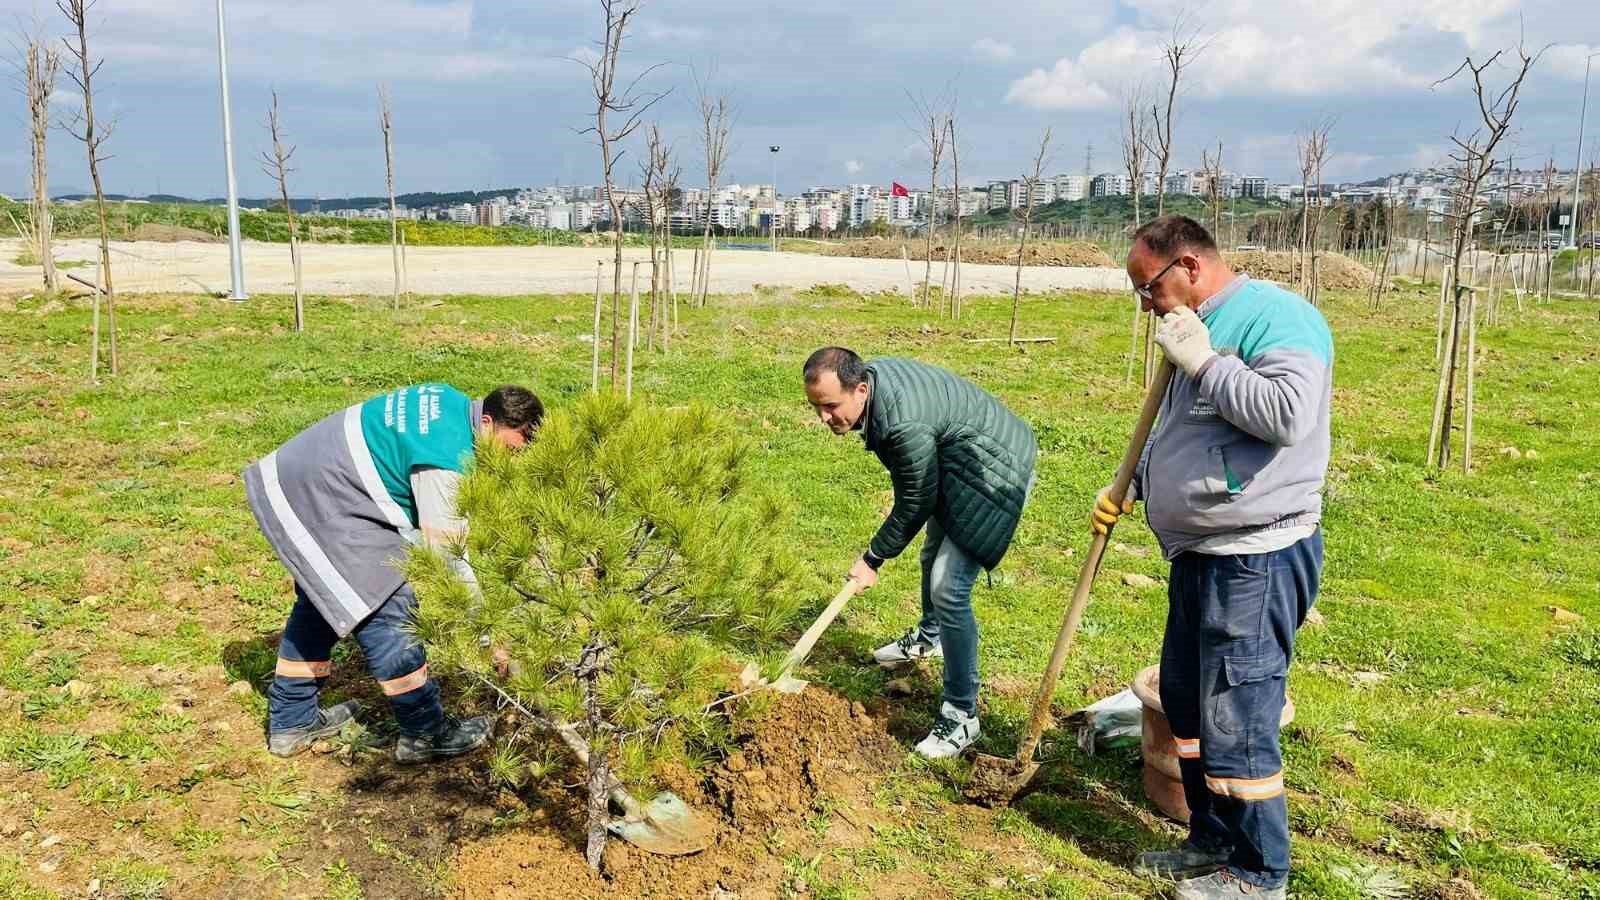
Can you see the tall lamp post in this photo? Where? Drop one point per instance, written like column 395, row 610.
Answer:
column 1577, row 170
column 236, row 266
column 774, row 222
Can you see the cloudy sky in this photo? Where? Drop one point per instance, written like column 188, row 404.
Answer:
column 486, row 93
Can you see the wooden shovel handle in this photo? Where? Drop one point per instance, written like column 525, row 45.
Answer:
column 1091, row 565
column 802, row 648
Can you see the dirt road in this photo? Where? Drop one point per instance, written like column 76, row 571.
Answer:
column 367, row 269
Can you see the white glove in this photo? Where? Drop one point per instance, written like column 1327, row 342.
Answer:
column 1185, row 340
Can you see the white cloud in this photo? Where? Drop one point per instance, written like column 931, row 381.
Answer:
column 1277, row 48
column 1066, row 85
column 1568, row 60
column 852, row 167
column 993, row 50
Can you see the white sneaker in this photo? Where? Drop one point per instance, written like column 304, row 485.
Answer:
column 952, row 733
column 911, row 647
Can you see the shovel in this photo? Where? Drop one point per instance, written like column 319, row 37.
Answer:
column 666, row 825
column 997, row 780
column 786, row 683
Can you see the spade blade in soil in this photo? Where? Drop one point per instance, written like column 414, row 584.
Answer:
column 998, row 780
column 666, row 826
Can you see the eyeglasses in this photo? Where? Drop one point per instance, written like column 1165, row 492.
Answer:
column 1145, row 290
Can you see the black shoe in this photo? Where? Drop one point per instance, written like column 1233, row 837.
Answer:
column 1181, row 861
column 295, row 740
column 454, row 737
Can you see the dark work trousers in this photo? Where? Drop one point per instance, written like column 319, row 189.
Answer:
column 393, row 655
column 1231, row 622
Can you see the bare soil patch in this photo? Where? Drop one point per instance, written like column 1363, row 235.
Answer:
column 802, row 777
column 1335, row 271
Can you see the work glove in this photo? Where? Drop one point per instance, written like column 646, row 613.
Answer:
column 1105, row 513
column 1184, row 339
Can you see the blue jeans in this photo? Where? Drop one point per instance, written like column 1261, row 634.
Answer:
column 948, row 575
column 1231, row 622
column 393, row 655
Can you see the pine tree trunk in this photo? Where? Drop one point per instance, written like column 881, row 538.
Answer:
column 599, row 775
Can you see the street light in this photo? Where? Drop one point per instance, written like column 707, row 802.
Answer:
column 774, row 223
column 236, row 260
column 1577, row 170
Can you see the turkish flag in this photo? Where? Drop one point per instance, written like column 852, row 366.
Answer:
column 898, row 190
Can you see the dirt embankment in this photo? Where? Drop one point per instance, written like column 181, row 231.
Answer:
column 1335, row 271
column 1040, row 253
column 788, row 759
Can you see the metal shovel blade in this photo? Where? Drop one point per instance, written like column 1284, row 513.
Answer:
column 784, row 684
column 667, row 826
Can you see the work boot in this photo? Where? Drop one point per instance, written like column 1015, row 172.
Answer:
column 911, row 646
column 454, row 737
column 1224, row 885
column 953, row 732
column 290, row 741
column 1181, row 861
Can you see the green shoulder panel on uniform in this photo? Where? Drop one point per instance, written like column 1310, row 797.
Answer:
column 418, row 426
column 1263, row 317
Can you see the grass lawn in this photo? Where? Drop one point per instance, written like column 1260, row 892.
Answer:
column 1448, row 708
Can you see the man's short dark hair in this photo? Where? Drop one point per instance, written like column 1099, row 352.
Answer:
column 840, row 361
column 1172, row 236
column 514, row 407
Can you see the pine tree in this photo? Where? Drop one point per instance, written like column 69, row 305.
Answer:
column 622, row 557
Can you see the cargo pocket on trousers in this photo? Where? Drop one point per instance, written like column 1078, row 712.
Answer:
column 1254, row 689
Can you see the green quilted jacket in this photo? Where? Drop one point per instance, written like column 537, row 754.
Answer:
column 953, row 452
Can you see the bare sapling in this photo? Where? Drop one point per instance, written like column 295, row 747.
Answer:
column 1311, row 148
column 619, row 110
column 1029, row 189
column 1212, row 166
column 651, row 171
column 40, row 64
column 1178, row 53
column 1135, row 138
column 275, row 163
column 716, row 124
column 955, row 171
column 933, row 129
column 385, row 122
column 92, row 135
column 1473, row 157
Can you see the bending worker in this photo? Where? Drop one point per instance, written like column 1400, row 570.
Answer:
column 340, row 503
column 961, row 464
column 1232, row 482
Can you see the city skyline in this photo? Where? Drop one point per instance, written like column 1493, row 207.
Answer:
column 487, row 97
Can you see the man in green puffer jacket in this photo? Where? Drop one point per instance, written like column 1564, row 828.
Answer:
column 961, row 464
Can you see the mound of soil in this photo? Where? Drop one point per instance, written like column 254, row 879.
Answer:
column 803, row 748
column 1040, row 253
column 1335, row 271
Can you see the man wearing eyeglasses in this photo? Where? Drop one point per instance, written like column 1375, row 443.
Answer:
column 341, row 503
column 1231, row 480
